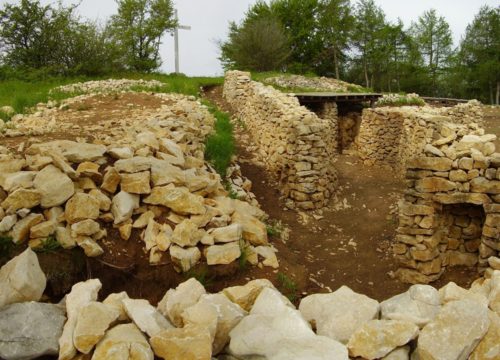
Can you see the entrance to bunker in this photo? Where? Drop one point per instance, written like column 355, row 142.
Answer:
column 461, row 226
column 349, row 115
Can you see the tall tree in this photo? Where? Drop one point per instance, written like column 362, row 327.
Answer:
column 335, row 26
column 433, row 36
column 259, row 44
column 370, row 21
column 139, row 26
column 479, row 56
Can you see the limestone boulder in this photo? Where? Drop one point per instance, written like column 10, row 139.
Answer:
column 227, row 234
column 115, row 300
column 253, row 230
column 245, row 295
column 136, row 183
column 179, row 199
column 21, row 279
column 21, row 179
column 453, row 292
column 430, row 163
column 7, row 223
column 104, row 201
column 420, row 305
column 19, row 341
column 73, row 151
column 92, row 322
column 494, row 295
column 216, row 313
column 489, row 346
column 269, row 255
column 400, row 353
column 21, row 230
column 190, row 342
column 134, row 165
column 184, row 259
column 21, row 199
column 123, row 205
column 377, row 338
column 90, row 247
column 339, row 314
column 81, row 294
column 85, row 227
column 123, row 342
column 186, row 234
column 175, row 301
column 223, row 254
column 145, row 316
column 80, row 207
column 276, row 330
column 111, row 180
column 121, row 152
column 482, row 185
column 164, row 173
column 54, row 185
column 455, row 331
column 434, row 184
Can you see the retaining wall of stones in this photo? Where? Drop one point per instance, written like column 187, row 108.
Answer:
column 294, row 143
column 393, row 135
column 450, row 214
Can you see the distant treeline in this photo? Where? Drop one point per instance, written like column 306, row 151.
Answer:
column 355, row 42
column 38, row 41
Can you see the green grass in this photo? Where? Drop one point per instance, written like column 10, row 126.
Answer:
column 219, row 146
column 287, row 286
column 23, row 94
column 49, row 245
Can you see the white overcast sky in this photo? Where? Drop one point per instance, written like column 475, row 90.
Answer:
column 209, row 21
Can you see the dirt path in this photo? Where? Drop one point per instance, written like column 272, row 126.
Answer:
column 349, row 246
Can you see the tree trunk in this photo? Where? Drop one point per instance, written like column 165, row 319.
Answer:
column 336, row 62
column 367, row 81
column 498, row 95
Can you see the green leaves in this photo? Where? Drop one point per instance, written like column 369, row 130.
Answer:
column 138, row 28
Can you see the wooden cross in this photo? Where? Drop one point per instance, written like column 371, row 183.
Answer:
column 176, row 41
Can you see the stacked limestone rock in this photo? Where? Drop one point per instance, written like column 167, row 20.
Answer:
column 107, row 86
column 392, row 135
column 451, row 210
column 293, row 143
column 312, row 83
column 249, row 321
column 146, row 176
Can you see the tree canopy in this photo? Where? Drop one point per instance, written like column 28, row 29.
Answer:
column 353, row 40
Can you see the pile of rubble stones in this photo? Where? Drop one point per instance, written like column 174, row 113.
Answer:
column 111, row 85
column 242, row 322
column 145, row 175
column 312, row 83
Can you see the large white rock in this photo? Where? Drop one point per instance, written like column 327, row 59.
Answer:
column 123, row 205
column 420, row 304
column 489, row 347
column 21, row 279
column 276, row 330
column 377, row 338
column 30, row 330
column 216, row 313
column 73, row 151
column 20, row 179
column 175, row 301
column 92, row 322
column 339, row 314
column 123, row 342
column 81, row 294
column 452, row 292
column 54, row 185
column 455, row 331
column 145, row 316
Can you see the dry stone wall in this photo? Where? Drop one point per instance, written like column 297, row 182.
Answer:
column 450, row 214
column 393, row 135
column 294, row 143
